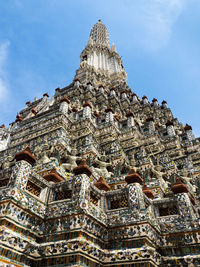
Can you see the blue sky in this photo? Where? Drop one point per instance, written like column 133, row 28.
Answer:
column 159, row 41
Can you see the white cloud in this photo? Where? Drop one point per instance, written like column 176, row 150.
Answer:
column 158, row 18
column 3, row 90
column 3, row 76
column 149, row 23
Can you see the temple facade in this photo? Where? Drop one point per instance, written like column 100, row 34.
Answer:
column 99, row 176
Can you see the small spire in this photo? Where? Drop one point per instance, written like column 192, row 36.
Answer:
column 90, row 41
column 113, row 48
column 187, row 127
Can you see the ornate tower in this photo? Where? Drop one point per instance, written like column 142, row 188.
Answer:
column 100, row 64
column 97, row 176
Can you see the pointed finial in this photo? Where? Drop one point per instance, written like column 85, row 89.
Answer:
column 113, row 48
column 99, row 34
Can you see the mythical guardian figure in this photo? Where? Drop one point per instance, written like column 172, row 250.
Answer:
column 72, row 160
column 157, row 172
column 102, row 170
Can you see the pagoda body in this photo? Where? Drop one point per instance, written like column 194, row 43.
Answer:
column 96, row 176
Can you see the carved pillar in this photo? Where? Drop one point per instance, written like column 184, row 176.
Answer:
column 134, row 99
column 184, row 201
column 130, row 119
column 155, row 102
column 124, row 95
column 20, row 174
column 109, row 115
column 101, row 89
column 81, row 185
column 89, row 86
column 87, row 108
column 64, row 105
column 136, row 198
column 189, row 132
column 164, row 104
column 170, row 128
column 76, row 83
column 22, row 168
column 112, row 92
column 84, row 194
column 145, row 99
column 151, row 125
column 185, row 206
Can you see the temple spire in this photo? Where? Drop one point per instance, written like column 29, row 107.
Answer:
column 99, row 34
column 100, row 63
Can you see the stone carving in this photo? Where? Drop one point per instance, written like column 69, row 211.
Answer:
column 157, row 172
column 102, row 170
column 72, row 160
column 187, row 180
column 44, row 154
